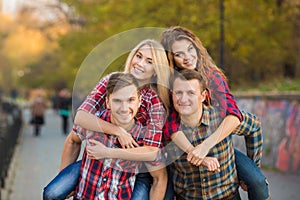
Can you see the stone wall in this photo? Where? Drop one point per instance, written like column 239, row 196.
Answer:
column 280, row 117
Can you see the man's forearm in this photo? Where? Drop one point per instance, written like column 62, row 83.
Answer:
column 70, row 152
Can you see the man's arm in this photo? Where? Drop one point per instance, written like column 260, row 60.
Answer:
column 97, row 150
column 71, row 150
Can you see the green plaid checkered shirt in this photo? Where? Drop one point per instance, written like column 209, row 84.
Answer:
column 192, row 182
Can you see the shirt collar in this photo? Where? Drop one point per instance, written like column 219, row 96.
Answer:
column 205, row 120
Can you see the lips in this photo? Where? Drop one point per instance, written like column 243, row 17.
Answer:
column 189, row 64
column 125, row 113
column 138, row 70
column 184, row 105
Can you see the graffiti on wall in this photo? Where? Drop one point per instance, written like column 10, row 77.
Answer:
column 281, row 128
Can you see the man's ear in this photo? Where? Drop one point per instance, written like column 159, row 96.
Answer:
column 204, row 95
column 107, row 103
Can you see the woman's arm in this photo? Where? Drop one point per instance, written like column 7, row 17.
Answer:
column 92, row 122
column 184, row 144
column 229, row 124
column 222, row 99
column 97, row 150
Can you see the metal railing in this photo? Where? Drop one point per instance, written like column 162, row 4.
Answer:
column 10, row 126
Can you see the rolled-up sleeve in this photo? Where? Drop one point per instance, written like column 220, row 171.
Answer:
column 222, row 97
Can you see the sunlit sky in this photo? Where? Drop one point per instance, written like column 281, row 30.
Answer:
column 9, row 7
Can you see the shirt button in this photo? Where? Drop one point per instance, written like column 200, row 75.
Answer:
column 104, row 179
column 204, row 179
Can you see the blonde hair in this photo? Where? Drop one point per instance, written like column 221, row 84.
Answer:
column 161, row 67
column 205, row 62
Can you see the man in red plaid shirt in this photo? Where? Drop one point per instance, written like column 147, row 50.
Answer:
column 109, row 177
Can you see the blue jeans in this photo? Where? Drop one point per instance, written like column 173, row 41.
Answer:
column 64, row 183
column 250, row 174
column 143, row 184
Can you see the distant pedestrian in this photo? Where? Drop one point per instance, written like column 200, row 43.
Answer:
column 38, row 108
column 55, row 100
column 64, row 106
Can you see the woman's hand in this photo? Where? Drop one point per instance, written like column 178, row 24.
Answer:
column 126, row 139
column 97, row 150
column 197, row 154
column 212, row 164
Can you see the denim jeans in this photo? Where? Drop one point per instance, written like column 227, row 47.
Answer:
column 64, row 183
column 143, row 184
column 250, row 174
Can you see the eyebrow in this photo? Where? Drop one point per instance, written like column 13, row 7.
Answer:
column 189, row 45
column 140, row 53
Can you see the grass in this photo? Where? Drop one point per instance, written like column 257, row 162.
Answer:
column 278, row 85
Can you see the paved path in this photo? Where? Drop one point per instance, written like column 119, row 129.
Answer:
column 37, row 160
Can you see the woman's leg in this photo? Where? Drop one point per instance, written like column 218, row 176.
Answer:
column 170, row 190
column 251, row 175
column 64, row 183
column 142, row 186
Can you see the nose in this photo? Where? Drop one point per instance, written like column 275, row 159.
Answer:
column 141, row 62
column 124, row 106
column 187, row 56
column 183, row 97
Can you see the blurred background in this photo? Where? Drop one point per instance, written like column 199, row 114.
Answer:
column 257, row 43
column 44, row 42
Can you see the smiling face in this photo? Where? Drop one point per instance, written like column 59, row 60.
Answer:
column 142, row 66
column 185, row 54
column 188, row 98
column 124, row 104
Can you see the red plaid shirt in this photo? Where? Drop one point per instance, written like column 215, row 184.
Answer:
column 222, row 100
column 151, row 112
column 107, row 178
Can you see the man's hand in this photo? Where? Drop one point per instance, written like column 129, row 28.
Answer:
column 96, row 150
column 126, row 139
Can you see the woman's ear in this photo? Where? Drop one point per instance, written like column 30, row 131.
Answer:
column 107, row 103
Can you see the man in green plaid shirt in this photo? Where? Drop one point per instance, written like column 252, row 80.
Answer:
column 215, row 176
